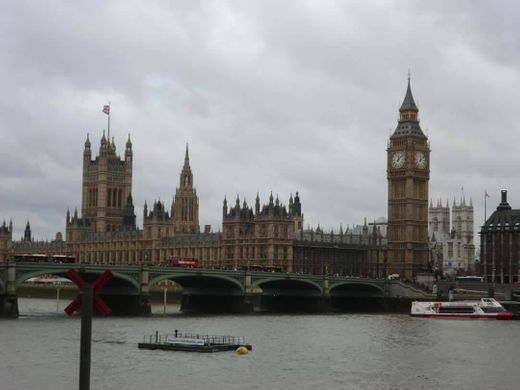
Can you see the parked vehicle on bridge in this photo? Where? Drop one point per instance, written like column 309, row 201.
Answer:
column 184, row 262
column 43, row 258
column 467, row 279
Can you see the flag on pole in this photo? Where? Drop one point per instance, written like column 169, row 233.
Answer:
column 106, row 109
column 486, row 194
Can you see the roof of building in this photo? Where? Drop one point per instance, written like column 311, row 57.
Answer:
column 408, row 102
column 411, row 127
column 408, row 129
column 504, row 217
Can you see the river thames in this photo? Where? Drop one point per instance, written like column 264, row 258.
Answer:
column 40, row 350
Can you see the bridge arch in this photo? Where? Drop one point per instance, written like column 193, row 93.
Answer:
column 191, row 280
column 63, row 273
column 291, row 283
column 356, row 288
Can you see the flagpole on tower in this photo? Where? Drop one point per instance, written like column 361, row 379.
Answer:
column 106, row 110
column 109, row 121
column 486, row 195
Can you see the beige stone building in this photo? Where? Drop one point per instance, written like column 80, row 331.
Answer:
column 261, row 235
column 408, row 173
column 6, row 237
column 106, row 231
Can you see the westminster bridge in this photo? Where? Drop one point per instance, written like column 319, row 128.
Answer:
column 216, row 290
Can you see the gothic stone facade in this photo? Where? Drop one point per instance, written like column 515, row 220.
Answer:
column 106, row 231
column 343, row 254
column 453, row 249
column 262, row 236
column 408, row 173
column 6, row 239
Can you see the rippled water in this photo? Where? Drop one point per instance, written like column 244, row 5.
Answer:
column 40, row 350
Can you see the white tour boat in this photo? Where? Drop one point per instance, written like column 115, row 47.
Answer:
column 486, row 308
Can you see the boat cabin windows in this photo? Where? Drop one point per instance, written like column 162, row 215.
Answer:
column 456, row 309
column 492, row 309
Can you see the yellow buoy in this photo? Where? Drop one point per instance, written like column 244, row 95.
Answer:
column 242, row 350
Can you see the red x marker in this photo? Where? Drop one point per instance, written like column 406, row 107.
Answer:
column 98, row 283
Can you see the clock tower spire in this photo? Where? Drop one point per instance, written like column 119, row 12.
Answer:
column 408, row 174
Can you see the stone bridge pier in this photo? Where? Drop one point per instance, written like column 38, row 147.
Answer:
column 126, row 299
column 144, row 292
column 8, row 296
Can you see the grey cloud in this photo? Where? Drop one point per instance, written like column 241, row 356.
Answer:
column 270, row 95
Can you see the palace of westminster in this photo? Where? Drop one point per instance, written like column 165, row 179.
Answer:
column 416, row 238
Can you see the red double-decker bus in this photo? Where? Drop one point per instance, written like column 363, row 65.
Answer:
column 184, row 262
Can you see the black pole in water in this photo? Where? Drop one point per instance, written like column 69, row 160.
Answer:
column 86, row 337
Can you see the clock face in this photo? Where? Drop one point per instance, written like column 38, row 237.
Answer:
column 398, row 160
column 420, row 160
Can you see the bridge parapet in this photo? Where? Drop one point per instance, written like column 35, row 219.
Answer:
column 248, row 287
column 398, row 289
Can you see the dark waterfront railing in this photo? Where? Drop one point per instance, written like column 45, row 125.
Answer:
column 208, row 339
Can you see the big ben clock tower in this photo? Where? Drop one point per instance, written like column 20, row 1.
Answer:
column 408, row 173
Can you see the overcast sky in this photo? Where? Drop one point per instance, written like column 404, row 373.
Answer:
column 278, row 96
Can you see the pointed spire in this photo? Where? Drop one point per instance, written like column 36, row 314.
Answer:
column 186, row 157
column 129, row 142
column 408, row 102
column 224, row 207
column 87, row 142
column 408, row 125
column 27, row 233
column 68, row 215
column 186, row 177
column 257, row 204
